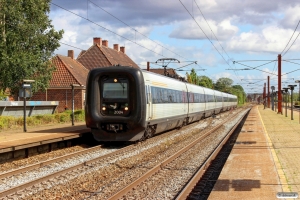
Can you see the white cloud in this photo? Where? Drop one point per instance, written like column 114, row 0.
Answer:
column 189, row 29
column 270, row 39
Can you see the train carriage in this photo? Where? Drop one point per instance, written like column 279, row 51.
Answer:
column 197, row 102
column 167, row 103
column 128, row 104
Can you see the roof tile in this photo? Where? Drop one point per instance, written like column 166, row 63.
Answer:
column 68, row 71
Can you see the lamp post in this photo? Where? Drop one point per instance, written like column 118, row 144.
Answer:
column 298, row 81
column 26, row 85
column 292, row 88
column 73, row 86
column 272, row 95
column 286, row 90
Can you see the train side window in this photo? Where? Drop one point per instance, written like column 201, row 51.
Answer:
column 146, row 91
column 172, row 96
column 165, row 96
column 153, row 94
column 178, row 96
column 160, row 96
column 191, row 97
column 169, row 96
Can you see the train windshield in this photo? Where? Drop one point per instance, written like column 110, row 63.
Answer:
column 116, row 90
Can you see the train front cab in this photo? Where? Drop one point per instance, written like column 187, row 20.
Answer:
column 115, row 104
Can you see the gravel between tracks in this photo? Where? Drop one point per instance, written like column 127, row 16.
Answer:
column 171, row 179
column 15, row 164
column 108, row 176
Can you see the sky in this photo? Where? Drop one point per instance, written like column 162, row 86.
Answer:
column 235, row 39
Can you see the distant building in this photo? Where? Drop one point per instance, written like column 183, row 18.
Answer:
column 100, row 55
column 169, row 72
column 74, row 71
column 68, row 71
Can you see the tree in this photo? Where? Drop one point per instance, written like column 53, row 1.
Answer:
column 205, row 82
column 239, row 92
column 27, row 42
column 238, row 87
column 192, row 77
column 223, row 84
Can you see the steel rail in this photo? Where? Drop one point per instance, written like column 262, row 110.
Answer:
column 197, row 176
column 12, row 190
column 47, row 162
column 159, row 166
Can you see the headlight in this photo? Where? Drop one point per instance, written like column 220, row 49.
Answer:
column 103, row 108
column 126, row 108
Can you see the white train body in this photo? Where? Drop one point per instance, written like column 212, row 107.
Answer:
column 156, row 103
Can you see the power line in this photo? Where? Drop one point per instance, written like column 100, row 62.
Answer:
column 136, row 31
column 107, row 29
column 212, row 32
column 211, row 29
column 205, row 35
column 256, row 69
column 71, row 46
column 292, row 44
column 117, row 33
column 290, row 40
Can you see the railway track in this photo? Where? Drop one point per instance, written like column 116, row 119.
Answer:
column 97, row 173
column 176, row 163
column 203, row 180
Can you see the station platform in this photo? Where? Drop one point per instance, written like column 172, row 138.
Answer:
column 264, row 160
column 11, row 141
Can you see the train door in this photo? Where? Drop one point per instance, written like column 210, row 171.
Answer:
column 149, row 102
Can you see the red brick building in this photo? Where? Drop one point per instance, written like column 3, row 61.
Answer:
column 70, row 71
column 170, row 72
column 100, row 55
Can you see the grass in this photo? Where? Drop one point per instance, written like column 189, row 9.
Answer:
column 9, row 122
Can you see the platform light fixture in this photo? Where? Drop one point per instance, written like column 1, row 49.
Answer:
column 73, row 86
column 286, row 90
column 26, row 86
column 272, row 95
column 292, row 87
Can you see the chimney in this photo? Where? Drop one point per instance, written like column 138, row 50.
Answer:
column 105, row 43
column 116, row 47
column 148, row 66
column 97, row 40
column 71, row 54
column 122, row 49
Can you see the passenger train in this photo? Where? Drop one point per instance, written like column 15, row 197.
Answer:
column 130, row 104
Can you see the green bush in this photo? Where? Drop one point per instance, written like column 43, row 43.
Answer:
column 79, row 115
column 64, row 117
column 7, row 122
column 297, row 103
column 19, row 121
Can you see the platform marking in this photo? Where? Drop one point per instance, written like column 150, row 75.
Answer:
column 280, row 172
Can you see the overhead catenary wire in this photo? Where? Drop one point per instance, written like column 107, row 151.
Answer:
column 292, row 44
column 107, row 29
column 236, row 73
column 136, row 31
column 87, row 19
column 160, row 54
column 211, row 29
column 206, row 35
column 290, row 40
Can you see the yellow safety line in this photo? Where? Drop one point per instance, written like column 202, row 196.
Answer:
column 280, row 172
